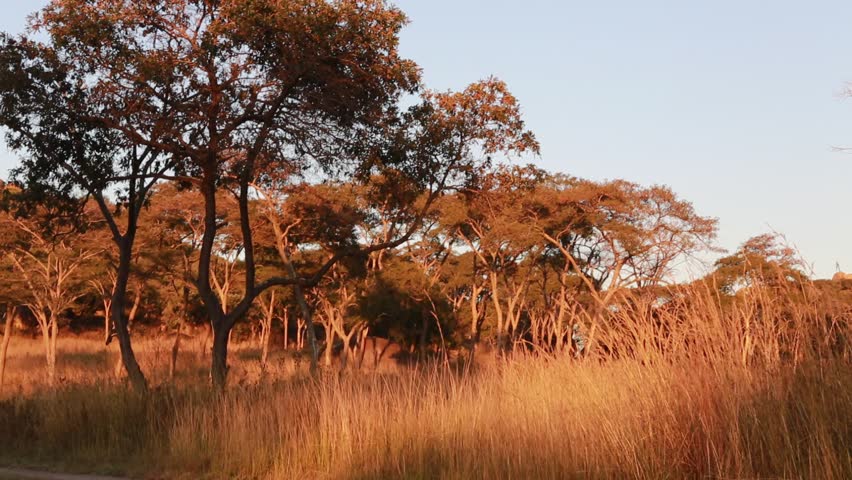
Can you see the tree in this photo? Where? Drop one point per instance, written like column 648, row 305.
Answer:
column 492, row 225
column 48, row 266
column 763, row 259
column 58, row 115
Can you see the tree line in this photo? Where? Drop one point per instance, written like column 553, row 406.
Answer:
column 228, row 162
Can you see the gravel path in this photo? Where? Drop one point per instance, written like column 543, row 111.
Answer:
column 22, row 474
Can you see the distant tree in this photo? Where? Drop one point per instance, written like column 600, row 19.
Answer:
column 617, row 235
column 48, row 265
column 494, row 229
column 764, row 259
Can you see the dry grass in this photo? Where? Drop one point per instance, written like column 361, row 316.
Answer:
column 760, row 389
column 528, row 419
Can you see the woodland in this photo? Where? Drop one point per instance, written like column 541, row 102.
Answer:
column 244, row 240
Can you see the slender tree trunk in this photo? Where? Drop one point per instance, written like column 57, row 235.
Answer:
column 285, row 322
column 176, row 344
column 119, row 296
column 49, row 336
column 11, row 312
column 347, row 350
column 107, row 312
column 300, row 334
column 307, row 315
column 208, row 332
column 329, row 345
column 265, row 335
column 176, row 349
column 560, row 320
column 498, row 311
column 474, row 322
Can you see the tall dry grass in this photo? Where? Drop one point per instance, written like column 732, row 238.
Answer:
column 527, row 419
column 758, row 387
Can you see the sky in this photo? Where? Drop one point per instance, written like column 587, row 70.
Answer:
column 736, row 105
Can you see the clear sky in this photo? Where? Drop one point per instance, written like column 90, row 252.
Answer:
column 735, row 104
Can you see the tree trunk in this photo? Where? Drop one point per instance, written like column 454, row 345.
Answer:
column 285, row 322
column 560, row 320
column 498, row 310
column 308, row 317
column 300, row 334
column 474, row 322
column 7, row 337
column 107, row 311
column 329, row 346
column 137, row 298
column 176, row 344
column 49, row 336
column 219, row 368
column 176, row 349
column 265, row 335
column 119, row 296
column 208, row 332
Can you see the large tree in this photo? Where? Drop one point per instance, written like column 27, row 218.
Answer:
column 228, row 89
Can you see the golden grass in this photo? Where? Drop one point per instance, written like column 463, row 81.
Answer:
column 530, row 418
column 760, row 389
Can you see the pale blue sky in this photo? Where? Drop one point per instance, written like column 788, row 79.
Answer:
column 734, row 104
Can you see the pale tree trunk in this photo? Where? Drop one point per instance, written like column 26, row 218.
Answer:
column 208, row 332
column 560, row 319
column 107, row 330
column 11, row 311
column 179, row 334
column 266, row 329
column 265, row 334
column 45, row 326
column 347, row 340
column 49, row 330
column 281, row 245
column 176, row 349
column 361, row 346
column 285, row 321
column 498, row 311
column 516, row 305
column 308, row 318
column 54, row 334
column 329, row 343
column 300, row 334
column 475, row 314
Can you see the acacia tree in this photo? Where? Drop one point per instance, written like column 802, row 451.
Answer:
column 492, row 225
column 764, row 259
column 48, row 265
column 615, row 235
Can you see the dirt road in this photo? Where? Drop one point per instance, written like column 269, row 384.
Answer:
column 22, row 474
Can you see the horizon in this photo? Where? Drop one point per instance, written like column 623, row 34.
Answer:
column 736, row 107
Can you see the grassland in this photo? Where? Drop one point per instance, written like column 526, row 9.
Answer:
column 761, row 389
column 524, row 418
